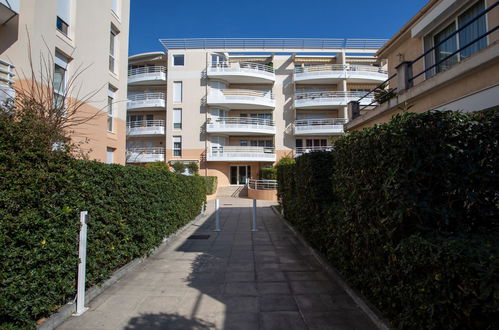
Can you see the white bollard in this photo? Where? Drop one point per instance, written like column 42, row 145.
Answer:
column 82, row 254
column 254, row 216
column 217, row 215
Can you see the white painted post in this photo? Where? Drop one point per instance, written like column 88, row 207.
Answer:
column 82, row 254
column 254, row 216
column 217, row 215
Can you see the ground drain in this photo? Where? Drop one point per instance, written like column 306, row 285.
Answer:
column 198, row 237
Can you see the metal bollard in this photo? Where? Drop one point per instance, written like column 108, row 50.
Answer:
column 254, row 216
column 217, row 215
column 82, row 254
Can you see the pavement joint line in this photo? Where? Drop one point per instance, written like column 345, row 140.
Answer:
column 370, row 311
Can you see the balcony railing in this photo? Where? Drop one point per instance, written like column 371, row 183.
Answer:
column 262, row 184
column 148, row 73
column 237, row 153
column 145, row 155
column 147, row 100
column 339, row 67
column 248, row 93
column 241, row 124
column 242, row 98
column 146, row 127
column 305, row 150
column 328, row 98
column 319, row 126
column 241, row 67
column 6, row 81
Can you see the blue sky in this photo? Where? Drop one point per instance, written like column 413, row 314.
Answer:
column 151, row 20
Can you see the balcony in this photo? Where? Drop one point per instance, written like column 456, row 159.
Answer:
column 327, row 99
column 149, row 75
column 329, row 126
column 8, row 9
column 145, row 155
column 6, row 80
column 145, row 128
column 149, row 101
column 241, row 126
column 305, row 150
column 241, row 99
column 242, row 72
column 332, row 73
column 241, row 154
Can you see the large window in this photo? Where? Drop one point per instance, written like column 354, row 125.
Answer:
column 459, row 40
column 177, row 91
column 63, row 16
column 59, row 80
column 177, row 146
column 177, row 118
column 112, row 49
column 110, row 108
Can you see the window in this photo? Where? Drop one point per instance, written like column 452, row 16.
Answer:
column 177, row 91
column 110, row 155
column 177, row 146
column 178, row 60
column 63, row 16
column 60, row 68
column 110, row 108
column 177, row 118
column 243, row 143
column 112, row 49
column 459, row 40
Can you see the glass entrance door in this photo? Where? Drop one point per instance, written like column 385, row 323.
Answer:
column 239, row 174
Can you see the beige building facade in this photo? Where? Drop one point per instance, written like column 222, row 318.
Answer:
column 85, row 38
column 445, row 58
column 234, row 106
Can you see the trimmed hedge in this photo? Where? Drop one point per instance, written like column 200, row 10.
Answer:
column 407, row 212
column 41, row 193
column 211, row 184
column 268, row 173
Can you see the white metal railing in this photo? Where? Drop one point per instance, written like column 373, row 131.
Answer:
column 243, row 121
column 305, row 150
column 240, row 66
column 6, row 73
column 262, row 184
column 145, row 123
column 237, row 150
column 329, row 94
column 147, row 96
column 146, row 70
column 320, row 122
column 247, row 93
column 146, row 151
column 339, row 67
column 272, row 43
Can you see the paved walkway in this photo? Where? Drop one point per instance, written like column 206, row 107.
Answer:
column 234, row 279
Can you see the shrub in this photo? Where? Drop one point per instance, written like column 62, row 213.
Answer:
column 407, row 212
column 211, row 184
column 179, row 167
column 285, row 161
column 193, row 168
column 268, row 173
column 159, row 165
column 41, row 194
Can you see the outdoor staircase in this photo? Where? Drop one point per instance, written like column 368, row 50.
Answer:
column 232, row 191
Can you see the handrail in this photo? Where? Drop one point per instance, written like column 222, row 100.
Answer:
column 304, row 150
column 262, row 184
column 247, row 92
column 272, row 43
column 145, row 123
column 243, row 66
column 147, row 151
column 147, row 96
column 320, row 122
column 339, row 67
column 239, row 149
column 328, row 94
column 146, row 69
column 241, row 121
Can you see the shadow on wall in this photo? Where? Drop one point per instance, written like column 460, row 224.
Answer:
column 166, row 321
column 9, row 33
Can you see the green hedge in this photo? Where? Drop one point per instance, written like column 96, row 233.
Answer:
column 41, row 194
column 268, row 173
column 407, row 212
column 211, row 184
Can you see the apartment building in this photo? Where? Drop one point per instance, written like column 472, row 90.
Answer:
column 445, row 58
column 234, row 106
column 88, row 39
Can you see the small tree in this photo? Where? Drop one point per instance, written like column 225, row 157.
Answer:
column 178, row 167
column 193, row 168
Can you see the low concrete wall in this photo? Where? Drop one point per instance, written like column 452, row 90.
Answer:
column 265, row 195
